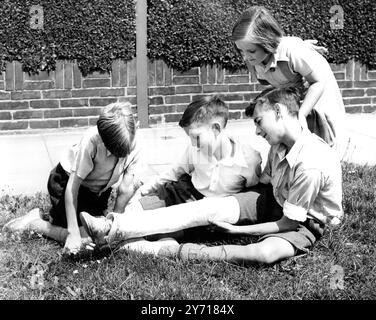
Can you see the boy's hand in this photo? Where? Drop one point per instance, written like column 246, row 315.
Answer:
column 87, row 243
column 72, row 244
column 137, row 184
column 144, row 190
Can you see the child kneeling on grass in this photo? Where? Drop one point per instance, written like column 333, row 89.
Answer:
column 83, row 179
column 300, row 193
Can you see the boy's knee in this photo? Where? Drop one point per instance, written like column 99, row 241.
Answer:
column 273, row 250
column 267, row 255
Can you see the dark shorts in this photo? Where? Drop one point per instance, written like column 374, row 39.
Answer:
column 258, row 205
column 87, row 201
column 172, row 193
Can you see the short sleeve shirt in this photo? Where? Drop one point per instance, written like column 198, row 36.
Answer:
column 214, row 177
column 228, row 175
column 294, row 60
column 95, row 165
column 306, row 180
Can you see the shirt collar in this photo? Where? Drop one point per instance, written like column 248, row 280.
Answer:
column 279, row 55
column 293, row 154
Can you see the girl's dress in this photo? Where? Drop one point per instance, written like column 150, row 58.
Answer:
column 293, row 60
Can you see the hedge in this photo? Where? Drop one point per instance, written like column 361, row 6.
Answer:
column 195, row 32
column 94, row 32
column 183, row 33
column 191, row 33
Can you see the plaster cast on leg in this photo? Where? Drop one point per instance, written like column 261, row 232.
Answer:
column 174, row 218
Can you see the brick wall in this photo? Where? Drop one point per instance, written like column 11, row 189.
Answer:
column 64, row 98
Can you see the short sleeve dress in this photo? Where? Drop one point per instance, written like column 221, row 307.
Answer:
column 293, row 60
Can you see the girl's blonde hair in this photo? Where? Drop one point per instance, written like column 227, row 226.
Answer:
column 258, row 26
column 117, row 128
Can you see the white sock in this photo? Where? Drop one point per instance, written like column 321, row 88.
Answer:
column 145, row 246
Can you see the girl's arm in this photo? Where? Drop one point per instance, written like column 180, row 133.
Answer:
column 315, row 90
column 313, row 67
column 73, row 241
column 282, row 225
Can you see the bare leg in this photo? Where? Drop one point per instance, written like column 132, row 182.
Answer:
column 267, row 251
column 55, row 232
column 49, row 230
column 174, row 218
column 32, row 221
column 20, row 224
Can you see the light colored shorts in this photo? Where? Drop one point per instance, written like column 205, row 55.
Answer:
column 258, row 205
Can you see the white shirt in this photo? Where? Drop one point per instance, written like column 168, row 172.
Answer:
column 214, row 177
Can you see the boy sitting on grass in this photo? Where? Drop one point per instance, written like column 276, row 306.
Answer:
column 213, row 164
column 83, row 179
column 300, row 193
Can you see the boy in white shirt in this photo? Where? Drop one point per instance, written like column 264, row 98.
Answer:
column 213, row 164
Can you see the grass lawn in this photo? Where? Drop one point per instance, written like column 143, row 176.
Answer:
column 32, row 267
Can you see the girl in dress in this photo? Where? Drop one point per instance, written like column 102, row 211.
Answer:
column 283, row 62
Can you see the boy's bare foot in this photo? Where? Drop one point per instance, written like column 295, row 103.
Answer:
column 96, row 227
column 21, row 224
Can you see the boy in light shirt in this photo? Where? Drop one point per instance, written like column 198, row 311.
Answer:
column 213, row 164
column 83, row 178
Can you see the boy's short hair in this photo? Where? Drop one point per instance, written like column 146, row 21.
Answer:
column 203, row 110
column 116, row 127
column 269, row 97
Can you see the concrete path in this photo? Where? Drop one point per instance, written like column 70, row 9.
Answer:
column 27, row 159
